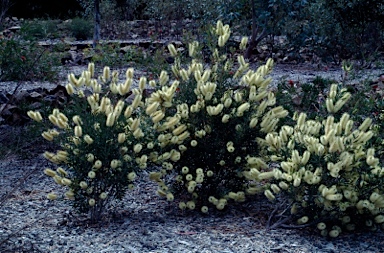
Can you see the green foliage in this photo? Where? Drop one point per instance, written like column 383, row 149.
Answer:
column 105, row 54
column 80, row 28
column 328, row 170
column 101, row 139
column 306, row 97
column 209, row 120
column 36, row 29
column 112, row 54
column 347, row 29
column 26, row 60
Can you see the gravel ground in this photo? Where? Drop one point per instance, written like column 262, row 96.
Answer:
column 146, row 223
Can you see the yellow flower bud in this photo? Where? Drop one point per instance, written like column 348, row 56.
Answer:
column 62, row 155
column 177, row 131
column 334, row 197
column 47, row 135
column 225, row 118
column 131, row 176
column 90, row 157
column 152, row 108
column 172, row 50
column 189, row 177
column 243, row 43
column 193, row 143
column 157, row 116
column 50, row 172
column 83, row 185
column 53, row 119
column 51, row 196
column 88, row 139
column 138, row 133
column 283, row 185
column 182, row 205
column 221, row 41
column 321, row 226
column 137, row 148
column 110, row 119
column 374, row 196
column 241, row 60
column 204, row 209
column 191, row 205
column 61, row 171
column 57, row 179
column 303, row 220
column 269, row 194
column 185, row 170
column 297, row 182
column 91, row 174
column 91, row 202
column 253, row 122
column 275, row 188
column 69, row 194
column 230, row 149
column 103, row 195
column 379, row 218
column 334, row 233
column 172, row 121
column 242, row 108
column 70, row 89
column 227, row 102
column 238, row 97
column 121, row 137
column 115, row 163
column 97, row 165
column 135, row 124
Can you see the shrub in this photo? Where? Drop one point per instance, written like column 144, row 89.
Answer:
column 328, row 170
column 209, row 121
column 26, row 60
column 102, row 140
column 80, row 28
column 45, row 29
column 112, row 54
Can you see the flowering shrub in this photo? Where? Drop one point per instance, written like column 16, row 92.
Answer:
column 209, row 121
column 101, row 137
column 328, row 170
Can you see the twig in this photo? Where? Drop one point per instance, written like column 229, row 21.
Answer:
column 281, row 221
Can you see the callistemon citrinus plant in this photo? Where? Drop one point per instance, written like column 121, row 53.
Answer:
column 102, row 139
column 209, row 118
column 328, row 169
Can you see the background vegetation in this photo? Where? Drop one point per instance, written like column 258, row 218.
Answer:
column 332, row 29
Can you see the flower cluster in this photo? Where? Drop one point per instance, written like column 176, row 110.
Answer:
column 102, row 139
column 208, row 122
column 333, row 178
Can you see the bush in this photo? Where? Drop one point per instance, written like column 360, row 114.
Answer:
column 26, row 60
column 328, row 170
column 80, row 28
column 112, row 54
column 45, row 29
column 102, row 141
column 209, row 120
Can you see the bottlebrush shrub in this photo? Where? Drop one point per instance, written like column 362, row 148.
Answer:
column 328, row 170
column 208, row 120
column 101, row 137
